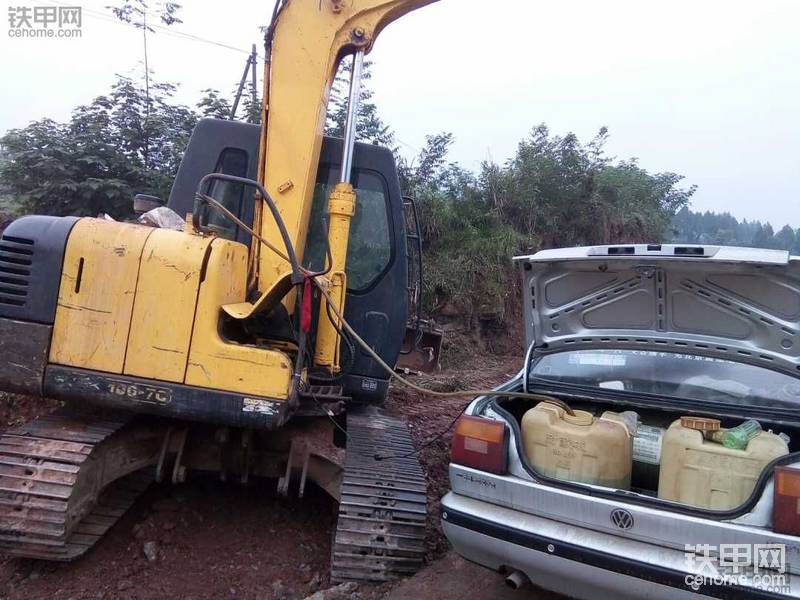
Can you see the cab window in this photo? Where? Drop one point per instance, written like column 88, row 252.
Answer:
column 232, row 161
column 369, row 250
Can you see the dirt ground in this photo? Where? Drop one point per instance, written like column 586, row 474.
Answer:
column 453, row 578
column 213, row 540
column 428, row 417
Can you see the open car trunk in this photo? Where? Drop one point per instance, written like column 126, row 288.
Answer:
column 667, row 331
column 645, row 471
column 701, row 342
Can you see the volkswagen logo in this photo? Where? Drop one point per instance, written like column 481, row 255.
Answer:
column 622, row 518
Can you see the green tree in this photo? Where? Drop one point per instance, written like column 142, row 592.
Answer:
column 764, row 236
column 8, row 203
column 369, row 126
column 555, row 191
column 214, row 105
column 785, row 239
column 252, row 108
column 55, row 172
column 558, row 191
column 724, row 229
column 108, row 151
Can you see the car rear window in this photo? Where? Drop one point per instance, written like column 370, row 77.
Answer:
column 686, row 376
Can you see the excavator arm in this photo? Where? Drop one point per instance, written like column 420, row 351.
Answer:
column 307, row 40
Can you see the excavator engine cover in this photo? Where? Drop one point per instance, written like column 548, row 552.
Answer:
column 123, row 316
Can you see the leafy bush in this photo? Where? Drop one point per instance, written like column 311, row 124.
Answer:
column 555, row 191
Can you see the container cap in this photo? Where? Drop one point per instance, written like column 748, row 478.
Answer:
column 704, row 424
column 581, row 417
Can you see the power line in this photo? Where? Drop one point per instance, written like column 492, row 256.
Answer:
column 161, row 28
column 407, row 145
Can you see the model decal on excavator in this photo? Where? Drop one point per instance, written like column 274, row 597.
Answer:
column 140, row 393
column 257, row 405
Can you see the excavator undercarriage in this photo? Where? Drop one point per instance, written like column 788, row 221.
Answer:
column 66, row 478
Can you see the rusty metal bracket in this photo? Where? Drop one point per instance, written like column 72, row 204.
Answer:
column 247, row 445
column 304, row 473
column 221, row 436
column 162, row 455
column 301, row 451
column 179, row 470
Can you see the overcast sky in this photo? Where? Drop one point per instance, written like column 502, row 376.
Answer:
column 706, row 88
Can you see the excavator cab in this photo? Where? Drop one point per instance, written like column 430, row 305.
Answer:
column 377, row 269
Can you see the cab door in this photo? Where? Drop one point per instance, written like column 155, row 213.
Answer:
column 377, row 272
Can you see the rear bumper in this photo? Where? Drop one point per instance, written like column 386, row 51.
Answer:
column 576, row 561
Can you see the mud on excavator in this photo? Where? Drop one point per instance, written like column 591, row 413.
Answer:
column 222, row 347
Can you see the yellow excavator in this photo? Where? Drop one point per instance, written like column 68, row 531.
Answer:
column 225, row 344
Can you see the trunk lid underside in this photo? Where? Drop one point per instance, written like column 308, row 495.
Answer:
column 738, row 304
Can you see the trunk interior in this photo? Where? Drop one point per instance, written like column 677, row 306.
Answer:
column 644, row 475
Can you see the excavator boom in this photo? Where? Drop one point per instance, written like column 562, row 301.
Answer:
column 308, row 39
column 305, row 43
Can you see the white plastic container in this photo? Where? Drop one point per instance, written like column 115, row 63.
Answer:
column 703, row 473
column 578, row 447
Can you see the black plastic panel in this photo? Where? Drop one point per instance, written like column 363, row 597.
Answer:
column 23, row 347
column 31, row 257
column 161, row 398
column 210, row 139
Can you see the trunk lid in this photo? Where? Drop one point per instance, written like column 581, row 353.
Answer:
column 740, row 304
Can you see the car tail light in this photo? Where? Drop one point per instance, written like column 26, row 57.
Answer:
column 480, row 444
column 786, row 504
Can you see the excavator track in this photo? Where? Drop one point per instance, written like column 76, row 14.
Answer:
column 380, row 534
column 64, row 481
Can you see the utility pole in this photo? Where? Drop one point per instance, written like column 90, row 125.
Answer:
column 252, row 63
